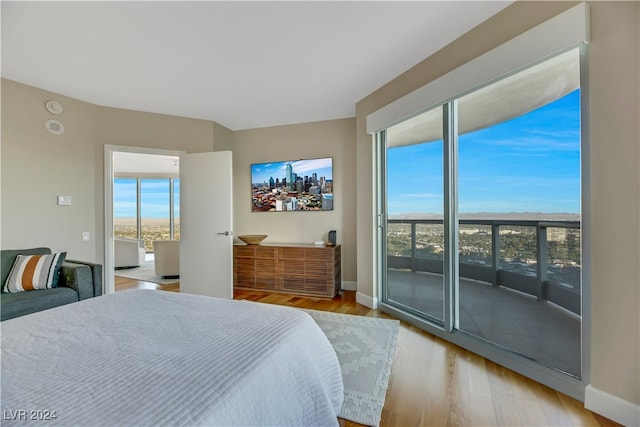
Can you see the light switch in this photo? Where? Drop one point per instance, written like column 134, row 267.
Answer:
column 64, row 200
column 85, row 236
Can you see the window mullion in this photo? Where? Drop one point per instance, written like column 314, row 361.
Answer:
column 139, row 207
column 381, row 212
column 450, row 167
column 171, row 211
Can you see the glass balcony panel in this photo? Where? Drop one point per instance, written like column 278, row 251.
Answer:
column 430, row 241
column 518, row 249
column 475, row 244
column 398, row 243
column 563, row 263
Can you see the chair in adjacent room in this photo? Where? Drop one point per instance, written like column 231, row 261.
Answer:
column 128, row 253
column 167, row 258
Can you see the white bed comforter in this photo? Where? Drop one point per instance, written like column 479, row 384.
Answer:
column 150, row 358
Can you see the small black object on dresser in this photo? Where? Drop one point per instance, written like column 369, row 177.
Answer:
column 332, row 237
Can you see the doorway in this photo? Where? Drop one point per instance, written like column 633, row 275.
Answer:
column 142, row 199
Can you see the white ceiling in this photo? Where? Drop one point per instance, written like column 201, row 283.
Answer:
column 241, row 64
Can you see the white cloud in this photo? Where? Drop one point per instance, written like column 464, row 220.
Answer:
column 302, row 166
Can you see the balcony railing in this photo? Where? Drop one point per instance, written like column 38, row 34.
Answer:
column 521, row 255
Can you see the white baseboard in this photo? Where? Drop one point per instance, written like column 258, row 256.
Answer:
column 348, row 285
column 366, row 300
column 612, row 407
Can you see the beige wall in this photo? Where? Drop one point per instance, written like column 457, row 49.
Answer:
column 615, row 215
column 37, row 166
column 222, row 138
column 116, row 126
column 614, row 73
column 333, row 138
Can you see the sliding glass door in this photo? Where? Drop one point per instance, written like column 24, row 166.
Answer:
column 519, row 210
column 482, row 227
column 415, row 228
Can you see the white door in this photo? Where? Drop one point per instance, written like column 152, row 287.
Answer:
column 206, row 219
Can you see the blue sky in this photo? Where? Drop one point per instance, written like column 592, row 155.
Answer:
column 527, row 164
column 155, row 198
column 261, row 172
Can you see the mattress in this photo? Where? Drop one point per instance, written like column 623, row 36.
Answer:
column 152, row 358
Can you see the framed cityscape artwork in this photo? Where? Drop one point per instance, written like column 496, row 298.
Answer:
column 292, row 185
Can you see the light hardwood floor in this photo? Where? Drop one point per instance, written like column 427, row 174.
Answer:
column 436, row 383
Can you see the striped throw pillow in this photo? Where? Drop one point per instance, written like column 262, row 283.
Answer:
column 31, row 272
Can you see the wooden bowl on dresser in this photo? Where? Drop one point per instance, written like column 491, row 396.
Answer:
column 252, row 239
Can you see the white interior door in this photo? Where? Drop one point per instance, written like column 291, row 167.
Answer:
column 206, row 220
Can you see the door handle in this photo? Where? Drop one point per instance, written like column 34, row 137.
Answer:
column 225, row 233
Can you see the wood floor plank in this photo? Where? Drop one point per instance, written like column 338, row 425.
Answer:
column 553, row 409
column 482, row 412
column 436, row 383
column 478, row 379
column 576, row 412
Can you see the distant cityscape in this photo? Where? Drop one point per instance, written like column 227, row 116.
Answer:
column 152, row 229
column 294, row 191
column 517, row 243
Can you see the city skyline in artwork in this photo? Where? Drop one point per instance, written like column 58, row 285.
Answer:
column 292, row 185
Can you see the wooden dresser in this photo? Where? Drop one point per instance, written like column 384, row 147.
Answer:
column 304, row 269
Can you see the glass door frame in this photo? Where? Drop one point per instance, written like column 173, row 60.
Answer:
column 451, row 228
column 565, row 383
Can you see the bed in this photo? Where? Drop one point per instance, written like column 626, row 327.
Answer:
column 152, row 358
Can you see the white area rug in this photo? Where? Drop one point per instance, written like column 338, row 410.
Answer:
column 365, row 347
column 146, row 272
